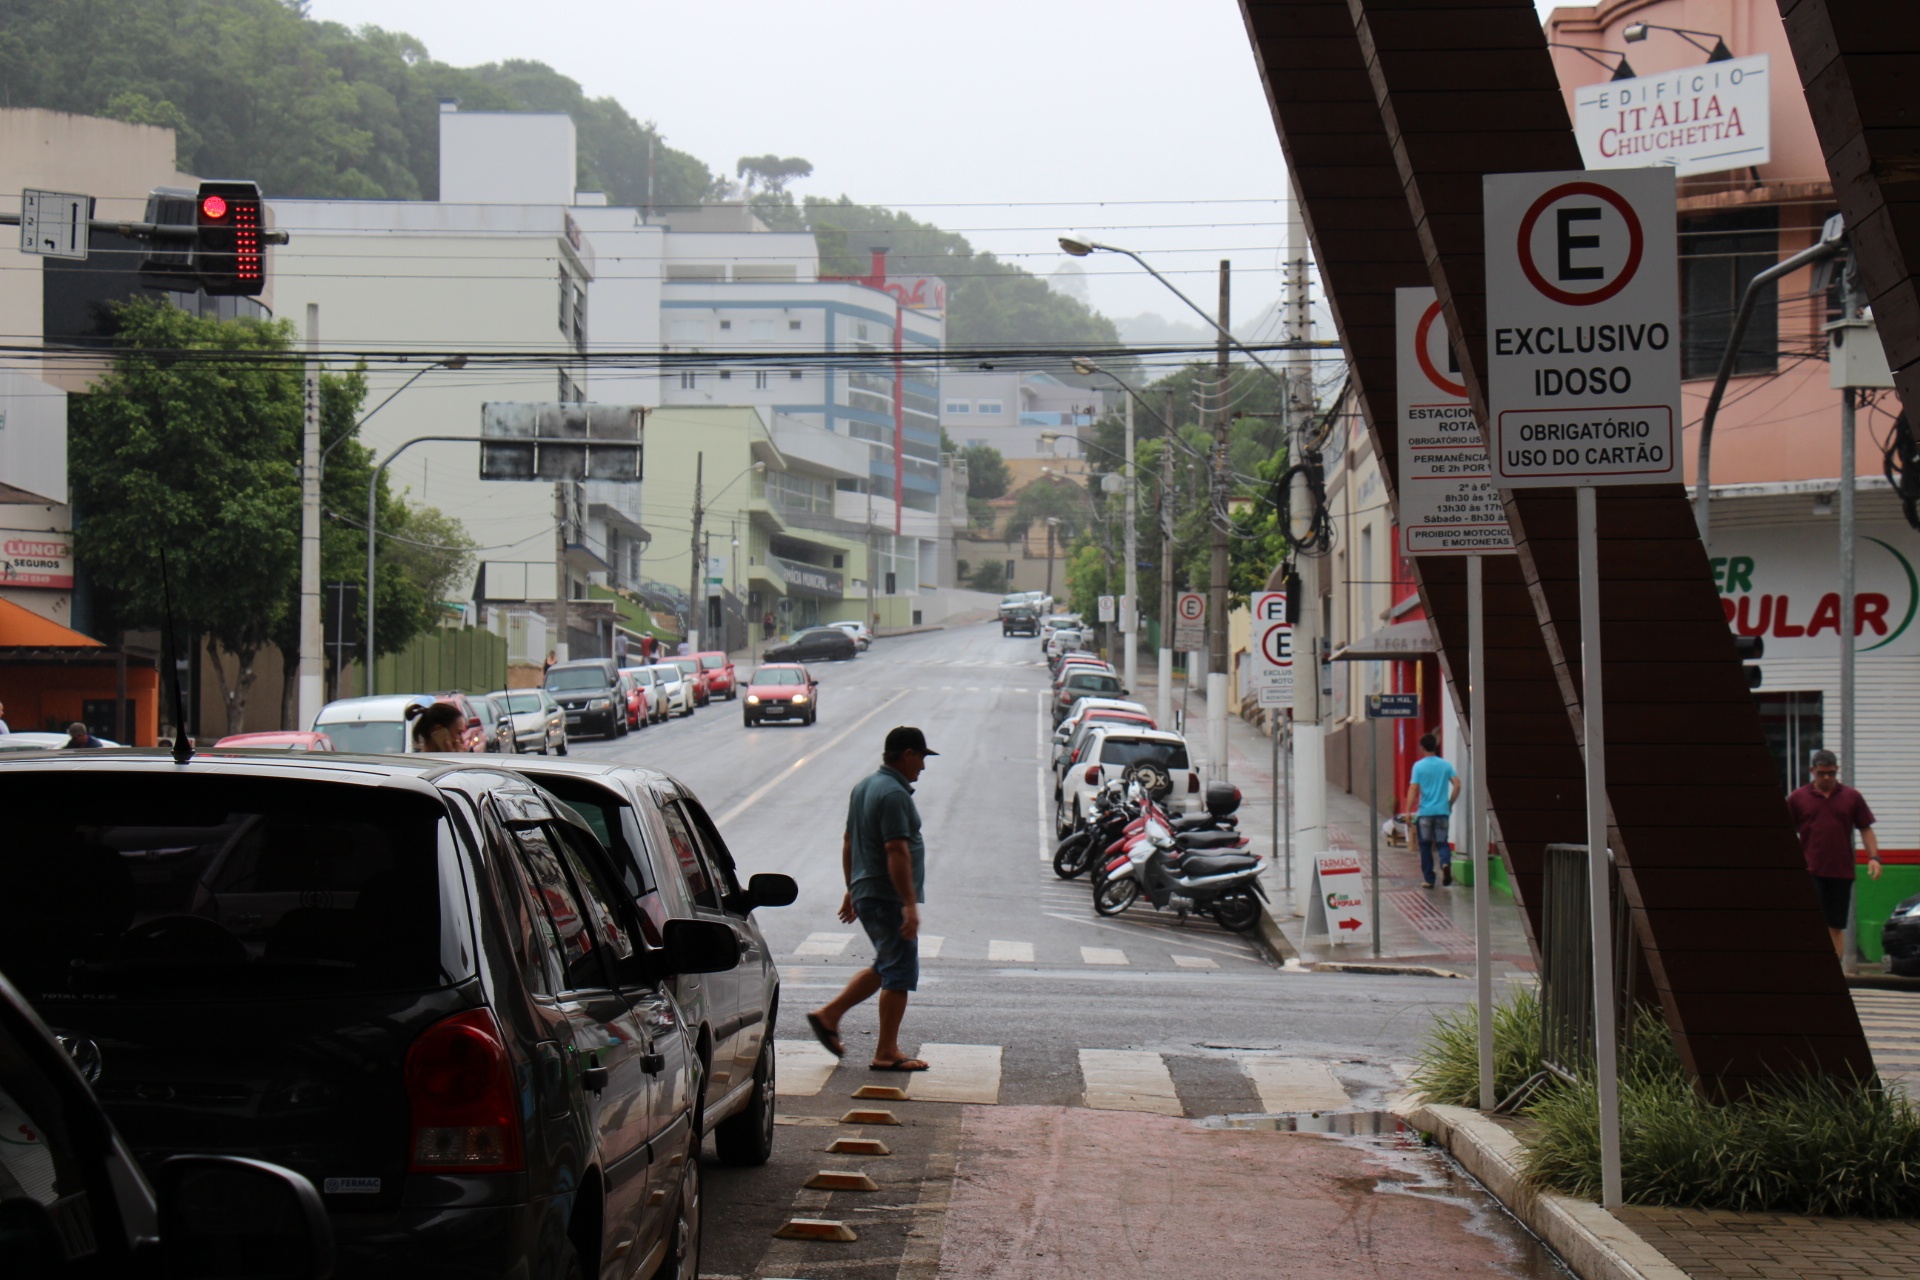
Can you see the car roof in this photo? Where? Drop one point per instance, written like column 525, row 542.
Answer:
column 381, row 706
column 1081, row 705
column 708, row 653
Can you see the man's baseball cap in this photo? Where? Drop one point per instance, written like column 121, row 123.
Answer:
column 908, row 738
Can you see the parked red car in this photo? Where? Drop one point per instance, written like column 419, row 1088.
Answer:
column 473, row 737
column 639, row 712
column 278, row 741
column 690, row 668
column 717, row 669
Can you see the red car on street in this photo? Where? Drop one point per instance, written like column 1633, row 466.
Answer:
column 781, row 691
column 717, row 669
column 639, row 711
column 286, row 741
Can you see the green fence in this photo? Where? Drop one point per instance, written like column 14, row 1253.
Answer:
column 470, row 659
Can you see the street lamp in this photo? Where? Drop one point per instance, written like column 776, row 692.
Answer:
column 696, row 598
column 1621, row 70
column 1635, row 32
column 1129, row 611
column 1053, row 522
column 373, row 485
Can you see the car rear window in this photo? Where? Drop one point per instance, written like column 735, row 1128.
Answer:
column 687, row 665
column 713, row 661
column 577, row 678
column 119, row 887
column 367, row 737
column 1093, row 684
column 1126, row 751
column 524, row 702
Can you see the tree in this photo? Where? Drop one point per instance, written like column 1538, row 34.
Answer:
column 771, row 173
column 987, row 473
column 186, row 446
column 1049, row 498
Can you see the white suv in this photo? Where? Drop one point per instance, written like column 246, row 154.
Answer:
column 1107, row 752
column 671, row 687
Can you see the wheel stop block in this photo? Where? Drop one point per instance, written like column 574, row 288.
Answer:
column 858, row 1147
column 858, row 1116
column 841, row 1180
column 815, row 1229
column 881, row 1092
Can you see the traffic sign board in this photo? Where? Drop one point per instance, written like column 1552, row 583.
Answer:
column 53, row 224
column 1108, row 609
column 1583, row 327
column 1190, row 622
column 1273, row 646
column 1393, row 706
column 1339, row 905
column 1448, row 505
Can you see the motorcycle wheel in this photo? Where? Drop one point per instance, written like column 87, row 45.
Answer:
column 1070, row 859
column 1115, row 896
column 1236, row 911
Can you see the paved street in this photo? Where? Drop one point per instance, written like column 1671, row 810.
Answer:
column 1031, row 1002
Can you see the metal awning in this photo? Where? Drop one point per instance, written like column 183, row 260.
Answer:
column 1402, row 640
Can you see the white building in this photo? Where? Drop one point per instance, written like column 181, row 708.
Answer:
column 1018, row 413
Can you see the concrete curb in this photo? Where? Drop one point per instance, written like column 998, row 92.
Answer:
column 1275, row 942
column 1591, row 1241
column 1362, row 966
column 1882, row 982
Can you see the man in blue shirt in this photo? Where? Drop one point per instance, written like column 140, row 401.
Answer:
column 1431, row 791
column 885, row 864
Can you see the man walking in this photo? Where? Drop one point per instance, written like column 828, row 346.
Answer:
column 1431, row 790
column 885, row 865
column 1826, row 812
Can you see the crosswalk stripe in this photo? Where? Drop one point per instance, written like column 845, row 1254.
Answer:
column 1128, row 1080
column 1103, row 955
column 930, row 944
column 1196, row 962
column 1295, row 1084
column 801, row 1068
column 1010, row 952
column 957, row 1073
column 823, row 944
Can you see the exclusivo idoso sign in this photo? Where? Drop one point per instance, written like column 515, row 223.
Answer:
column 1583, row 328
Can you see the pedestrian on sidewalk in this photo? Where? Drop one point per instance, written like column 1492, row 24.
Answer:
column 884, row 861
column 1826, row 812
column 1431, row 790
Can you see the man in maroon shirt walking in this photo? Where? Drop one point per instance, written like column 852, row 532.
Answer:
column 1826, row 813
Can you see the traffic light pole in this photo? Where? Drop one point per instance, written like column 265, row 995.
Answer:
column 312, row 677
column 696, row 594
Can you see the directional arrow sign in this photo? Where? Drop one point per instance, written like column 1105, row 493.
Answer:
column 1339, row 899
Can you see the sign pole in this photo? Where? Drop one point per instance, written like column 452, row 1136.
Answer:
column 1477, row 826
column 1373, row 824
column 1600, row 898
column 1289, row 811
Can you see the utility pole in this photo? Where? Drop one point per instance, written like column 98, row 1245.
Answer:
column 1163, row 708
column 696, row 600
column 562, row 625
column 1216, row 523
column 1051, row 521
column 1849, row 623
column 312, row 671
column 1130, row 604
column 1309, row 784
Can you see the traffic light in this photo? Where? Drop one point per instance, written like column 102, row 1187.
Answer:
column 1750, row 649
column 229, row 254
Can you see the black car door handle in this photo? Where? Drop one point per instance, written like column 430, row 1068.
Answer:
column 653, row 1063
column 593, row 1079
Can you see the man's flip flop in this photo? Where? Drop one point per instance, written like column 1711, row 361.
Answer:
column 898, row 1064
column 825, row 1035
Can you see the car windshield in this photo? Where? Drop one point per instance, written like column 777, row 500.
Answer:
column 713, row 661
column 1126, row 751
column 778, row 675
column 1093, row 685
column 664, row 675
column 687, row 665
column 367, row 737
column 522, row 702
column 576, row 678
column 158, row 888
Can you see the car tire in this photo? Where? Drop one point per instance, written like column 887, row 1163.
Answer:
column 562, row 748
column 746, row 721
column 546, row 745
column 683, row 1245
column 746, row 1138
column 812, row 716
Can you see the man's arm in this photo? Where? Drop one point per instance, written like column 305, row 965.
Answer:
column 1454, row 797
column 846, row 874
column 900, row 871
column 1412, row 804
column 1873, row 852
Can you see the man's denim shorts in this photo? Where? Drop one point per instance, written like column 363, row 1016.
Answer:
column 895, row 959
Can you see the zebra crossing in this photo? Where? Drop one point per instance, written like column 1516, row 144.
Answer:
column 1180, row 952
column 1891, row 1020
column 1108, row 1079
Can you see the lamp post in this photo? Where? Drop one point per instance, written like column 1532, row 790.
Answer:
column 373, row 486
column 697, row 596
column 1130, row 605
column 1052, row 523
column 1635, row 32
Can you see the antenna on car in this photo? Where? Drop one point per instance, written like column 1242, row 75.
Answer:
column 182, row 740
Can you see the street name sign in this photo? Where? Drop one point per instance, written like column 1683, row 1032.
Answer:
column 1583, row 328
column 1339, row 905
column 53, row 224
column 1272, row 649
column 1393, row 706
column 1703, row 119
column 1448, row 505
column 1190, row 622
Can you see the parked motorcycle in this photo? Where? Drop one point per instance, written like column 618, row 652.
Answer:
column 1113, row 814
column 1183, row 871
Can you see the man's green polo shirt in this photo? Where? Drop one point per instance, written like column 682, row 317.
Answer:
column 882, row 809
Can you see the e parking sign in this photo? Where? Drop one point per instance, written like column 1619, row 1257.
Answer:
column 1273, row 649
column 1448, row 504
column 1583, row 327
column 1190, row 622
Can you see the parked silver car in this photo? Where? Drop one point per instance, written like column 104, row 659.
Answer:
column 670, row 688
column 539, row 724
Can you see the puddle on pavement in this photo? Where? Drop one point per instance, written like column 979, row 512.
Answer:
column 1416, row 1169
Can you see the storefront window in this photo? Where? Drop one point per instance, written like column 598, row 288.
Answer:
column 1791, row 722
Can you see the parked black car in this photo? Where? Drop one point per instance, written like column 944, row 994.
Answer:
column 420, row 983
column 1021, row 620
column 1900, row 938
column 668, row 845
column 589, row 692
column 75, row 1206
column 820, row 644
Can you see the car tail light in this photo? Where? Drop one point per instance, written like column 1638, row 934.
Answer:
column 1193, row 784
column 1093, row 775
column 461, row 1094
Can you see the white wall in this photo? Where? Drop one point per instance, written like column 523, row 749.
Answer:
column 507, row 157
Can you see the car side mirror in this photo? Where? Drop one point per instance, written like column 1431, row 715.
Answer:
column 771, row 889
column 699, row 946
column 227, row 1217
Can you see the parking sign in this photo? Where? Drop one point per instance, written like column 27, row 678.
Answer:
column 1190, row 622
column 1272, row 649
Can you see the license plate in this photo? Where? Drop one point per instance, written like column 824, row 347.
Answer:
column 574, row 719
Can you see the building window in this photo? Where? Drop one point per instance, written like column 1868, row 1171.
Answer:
column 860, row 332
column 793, row 326
column 1791, row 724
column 689, row 380
column 570, row 391
column 976, row 444
column 794, row 375
column 991, row 406
column 726, row 325
column 726, row 375
column 759, row 379
column 956, row 407
column 1719, row 255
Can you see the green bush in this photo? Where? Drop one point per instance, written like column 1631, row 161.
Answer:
column 1804, row 1144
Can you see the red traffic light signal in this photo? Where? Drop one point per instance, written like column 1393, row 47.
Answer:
column 229, row 254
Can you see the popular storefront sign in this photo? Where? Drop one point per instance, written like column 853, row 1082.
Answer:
column 1447, row 502
column 36, row 559
column 1703, row 119
column 1783, row 584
